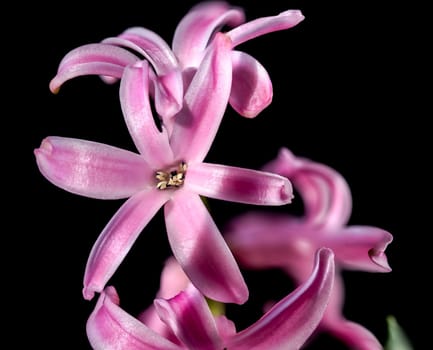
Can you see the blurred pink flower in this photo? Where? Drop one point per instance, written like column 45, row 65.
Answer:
column 189, row 323
column 168, row 172
column 172, row 69
column 274, row 240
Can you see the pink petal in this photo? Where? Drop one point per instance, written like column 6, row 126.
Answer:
column 92, row 169
column 264, row 25
column 168, row 80
column 325, row 193
column 100, row 59
column 150, row 45
column 111, row 328
column 168, row 94
column 197, row 27
column 290, row 322
column 198, row 122
column 117, row 238
column 200, row 249
column 361, row 248
column 226, row 328
column 251, row 87
column 352, row 334
column 238, row 184
column 190, row 318
column 173, row 280
column 262, row 240
column 134, row 97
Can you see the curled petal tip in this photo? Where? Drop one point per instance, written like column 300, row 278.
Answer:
column 379, row 257
column 46, row 145
column 54, row 86
column 88, row 293
column 241, row 297
column 45, row 148
column 295, row 14
column 287, row 192
column 325, row 253
column 55, row 91
column 224, row 39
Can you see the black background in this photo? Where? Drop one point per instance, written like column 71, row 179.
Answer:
column 346, row 93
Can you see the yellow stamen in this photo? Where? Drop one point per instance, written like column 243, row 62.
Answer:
column 173, row 178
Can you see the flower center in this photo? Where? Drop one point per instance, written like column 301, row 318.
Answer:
column 172, row 178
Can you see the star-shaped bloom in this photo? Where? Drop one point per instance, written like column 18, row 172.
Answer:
column 191, row 324
column 276, row 240
column 168, row 172
column 251, row 90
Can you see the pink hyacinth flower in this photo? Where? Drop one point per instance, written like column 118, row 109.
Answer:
column 286, row 326
column 264, row 240
column 168, row 172
column 251, row 88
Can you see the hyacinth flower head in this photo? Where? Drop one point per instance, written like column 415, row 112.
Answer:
column 168, row 172
column 173, row 68
column 168, row 81
column 277, row 240
column 188, row 322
